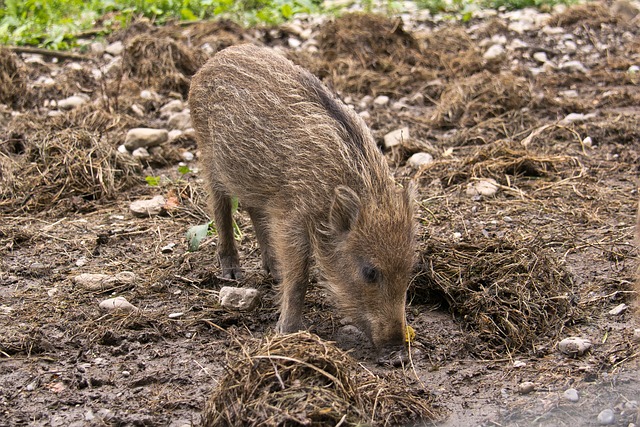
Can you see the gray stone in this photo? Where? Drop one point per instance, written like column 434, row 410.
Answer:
column 146, row 208
column 118, row 304
column 170, row 107
column 238, row 299
column 150, row 95
column 483, row 187
column 526, row 387
column 145, row 137
column 141, row 153
column 99, row 281
column 574, row 66
column 606, row 417
column 115, row 48
column 420, row 159
column 495, row 53
column 97, row 47
column 576, row 117
column 540, row 57
column 396, row 137
column 571, row 394
column 72, row 102
column 381, row 101
column 180, row 121
column 574, row 346
column 619, row 309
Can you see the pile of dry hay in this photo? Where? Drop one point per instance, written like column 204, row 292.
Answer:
column 513, row 295
column 369, row 54
column 301, row 380
column 44, row 160
column 13, row 87
column 161, row 63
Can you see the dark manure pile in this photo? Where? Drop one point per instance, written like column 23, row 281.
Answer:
column 370, row 54
column 301, row 380
column 161, row 63
column 514, row 295
column 46, row 160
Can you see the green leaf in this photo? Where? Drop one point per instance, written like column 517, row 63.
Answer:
column 153, row 181
column 184, row 169
column 195, row 235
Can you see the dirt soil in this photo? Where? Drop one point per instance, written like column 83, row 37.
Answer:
column 551, row 124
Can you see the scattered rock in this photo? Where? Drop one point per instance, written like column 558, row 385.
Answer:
column 396, row 137
column 99, row 281
column 72, row 102
column 574, row 66
column 97, row 47
column 241, row 299
column 175, row 134
column 495, row 53
column 606, row 417
column 180, row 121
column 294, row 43
column 420, row 159
column 188, row 156
column 141, row 153
column 170, row 107
column 519, row 364
column 571, row 394
column 145, row 137
column 175, row 315
column 381, row 101
column 115, row 48
column 150, row 95
column 483, row 187
column 168, row 248
column 619, row 309
column 122, row 149
column 540, row 57
column 526, row 387
column 587, row 142
column 118, row 304
column 636, row 335
column 146, row 208
column 138, row 110
column 576, row 118
column 574, row 346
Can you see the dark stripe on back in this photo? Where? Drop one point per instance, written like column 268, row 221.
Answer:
column 355, row 138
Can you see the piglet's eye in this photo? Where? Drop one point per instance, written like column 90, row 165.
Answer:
column 371, row 274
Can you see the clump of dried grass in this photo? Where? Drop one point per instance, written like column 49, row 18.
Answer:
column 13, row 86
column 482, row 96
column 299, row 379
column 161, row 63
column 370, row 54
column 592, row 14
column 514, row 295
column 452, row 52
column 44, row 160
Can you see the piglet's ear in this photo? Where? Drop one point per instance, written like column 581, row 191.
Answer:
column 344, row 209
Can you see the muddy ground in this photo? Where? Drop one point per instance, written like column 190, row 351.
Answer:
column 551, row 115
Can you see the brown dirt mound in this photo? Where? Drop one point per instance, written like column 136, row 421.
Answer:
column 472, row 100
column 299, row 379
column 64, row 157
column 218, row 34
column 513, row 294
column 161, row 63
column 13, row 88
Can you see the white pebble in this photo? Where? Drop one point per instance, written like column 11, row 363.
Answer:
column 495, row 53
column 175, row 315
column 483, row 187
column 117, row 304
column 396, row 137
column 420, row 159
column 619, row 309
column 571, row 394
column 381, row 101
column 519, row 364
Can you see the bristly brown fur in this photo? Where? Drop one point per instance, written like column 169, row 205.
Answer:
column 314, row 182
